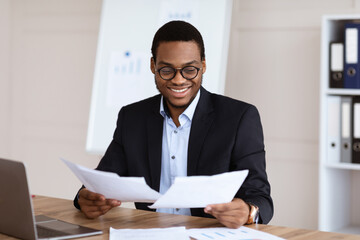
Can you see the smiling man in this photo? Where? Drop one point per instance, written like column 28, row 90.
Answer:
column 187, row 131
column 178, row 90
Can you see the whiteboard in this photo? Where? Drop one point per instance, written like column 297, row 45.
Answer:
column 122, row 68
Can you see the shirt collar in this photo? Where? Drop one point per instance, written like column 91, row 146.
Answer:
column 189, row 111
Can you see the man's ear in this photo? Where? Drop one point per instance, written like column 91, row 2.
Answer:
column 203, row 66
column 152, row 65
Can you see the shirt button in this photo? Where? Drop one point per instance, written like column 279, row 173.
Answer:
column 172, row 157
column 175, row 132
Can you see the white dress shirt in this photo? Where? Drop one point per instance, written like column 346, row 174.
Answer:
column 175, row 150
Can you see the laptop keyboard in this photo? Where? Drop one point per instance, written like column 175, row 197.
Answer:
column 47, row 233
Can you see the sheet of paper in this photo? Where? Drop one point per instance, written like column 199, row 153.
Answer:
column 111, row 185
column 175, row 233
column 241, row 233
column 199, row 191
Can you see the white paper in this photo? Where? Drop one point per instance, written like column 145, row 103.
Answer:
column 199, row 191
column 351, row 45
column 357, row 120
column 174, row 233
column 346, row 120
column 111, row 185
column 186, row 192
column 241, row 233
column 180, row 233
column 337, row 57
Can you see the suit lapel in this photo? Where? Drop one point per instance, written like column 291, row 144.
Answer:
column 154, row 135
column 202, row 120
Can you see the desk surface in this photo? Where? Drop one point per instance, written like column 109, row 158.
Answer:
column 132, row 218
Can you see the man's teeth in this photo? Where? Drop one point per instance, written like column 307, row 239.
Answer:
column 179, row 90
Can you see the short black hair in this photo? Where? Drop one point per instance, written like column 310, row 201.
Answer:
column 177, row 31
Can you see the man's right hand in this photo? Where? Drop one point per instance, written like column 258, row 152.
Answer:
column 94, row 205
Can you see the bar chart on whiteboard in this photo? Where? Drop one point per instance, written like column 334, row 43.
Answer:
column 127, row 71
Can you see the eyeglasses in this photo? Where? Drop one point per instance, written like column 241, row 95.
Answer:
column 168, row 73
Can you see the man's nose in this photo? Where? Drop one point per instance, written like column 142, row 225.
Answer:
column 178, row 79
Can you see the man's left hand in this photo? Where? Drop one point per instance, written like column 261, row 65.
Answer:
column 233, row 214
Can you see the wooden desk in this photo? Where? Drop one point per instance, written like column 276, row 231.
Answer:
column 131, row 218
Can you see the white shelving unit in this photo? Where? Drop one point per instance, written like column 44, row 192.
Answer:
column 338, row 209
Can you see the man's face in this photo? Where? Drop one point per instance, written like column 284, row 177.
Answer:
column 178, row 92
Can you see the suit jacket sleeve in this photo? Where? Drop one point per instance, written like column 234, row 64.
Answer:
column 249, row 153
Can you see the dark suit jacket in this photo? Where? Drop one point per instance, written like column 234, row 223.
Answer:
column 226, row 135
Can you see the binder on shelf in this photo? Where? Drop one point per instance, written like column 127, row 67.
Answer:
column 333, row 129
column 336, row 65
column 356, row 130
column 351, row 58
column 346, row 126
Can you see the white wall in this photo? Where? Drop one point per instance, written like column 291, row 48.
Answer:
column 49, row 48
column 47, row 56
column 5, row 124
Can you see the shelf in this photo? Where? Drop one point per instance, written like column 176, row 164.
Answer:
column 342, row 91
column 345, row 166
column 338, row 194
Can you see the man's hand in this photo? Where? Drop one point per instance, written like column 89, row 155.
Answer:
column 233, row 214
column 94, row 205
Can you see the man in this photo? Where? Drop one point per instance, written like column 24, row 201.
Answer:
column 186, row 131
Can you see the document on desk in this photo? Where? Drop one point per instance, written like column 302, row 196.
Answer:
column 180, row 233
column 174, row 233
column 186, row 192
column 111, row 185
column 242, row 233
column 199, row 191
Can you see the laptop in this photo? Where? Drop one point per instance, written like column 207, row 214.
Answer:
column 16, row 212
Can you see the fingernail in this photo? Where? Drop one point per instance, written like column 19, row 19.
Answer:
column 207, row 209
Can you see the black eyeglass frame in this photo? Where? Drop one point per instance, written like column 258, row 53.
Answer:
column 176, row 70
